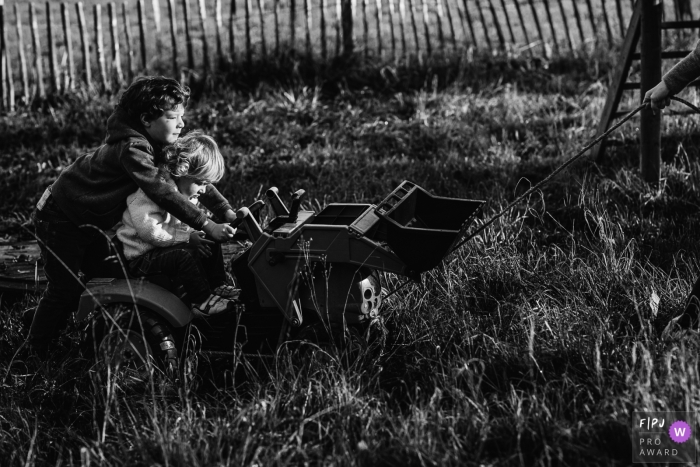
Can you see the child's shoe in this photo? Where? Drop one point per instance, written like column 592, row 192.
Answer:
column 227, row 291
column 213, row 305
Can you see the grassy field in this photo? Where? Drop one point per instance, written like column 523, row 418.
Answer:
column 531, row 345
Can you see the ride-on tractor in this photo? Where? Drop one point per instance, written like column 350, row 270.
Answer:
column 303, row 276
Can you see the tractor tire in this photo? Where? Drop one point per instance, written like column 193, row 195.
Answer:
column 132, row 343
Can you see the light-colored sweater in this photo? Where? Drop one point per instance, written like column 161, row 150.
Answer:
column 146, row 226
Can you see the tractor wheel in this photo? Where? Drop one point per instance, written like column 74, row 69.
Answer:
column 132, row 343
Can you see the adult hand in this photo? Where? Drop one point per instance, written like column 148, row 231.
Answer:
column 200, row 243
column 658, row 97
column 219, row 232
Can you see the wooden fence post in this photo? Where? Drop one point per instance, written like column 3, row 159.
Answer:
column 497, row 24
column 365, row 28
column 577, row 16
column 608, row 30
column 67, row 37
column 537, row 26
column 8, row 73
column 116, row 53
column 348, row 43
column 173, row 35
column 402, row 24
column 470, row 23
column 142, row 33
column 324, row 45
column 53, row 69
column 85, row 43
column 414, row 26
column 450, row 22
column 127, row 40
column 338, row 29
column 36, row 47
column 620, row 20
column 276, row 18
column 188, row 36
column 482, row 18
column 426, row 27
column 99, row 44
column 591, row 17
column 551, row 26
column 156, row 19
column 378, row 19
column 441, row 32
column 566, row 25
column 232, row 31
column 205, row 43
column 650, row 123
column 523, row 26
column 23, row 74
column 507, row 16
column 261, row 15
column 354, row 17
column 156, row 14
column 392, row 32
column 248, row 42
column 309, row 25
column 293, row 23
column 219, row 24
column 3, row 66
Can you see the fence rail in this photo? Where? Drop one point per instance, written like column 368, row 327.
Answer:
column 58, row 46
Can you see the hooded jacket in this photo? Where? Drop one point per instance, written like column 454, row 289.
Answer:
column 94, row 188
column 684, row 71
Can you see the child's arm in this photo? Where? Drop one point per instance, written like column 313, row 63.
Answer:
column 153, row 225
column 683, row 72
column 675, row 80
column 213, row 200
column 137, row 161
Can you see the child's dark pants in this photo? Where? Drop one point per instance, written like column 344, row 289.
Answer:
column 185, row 267
column 65, row 250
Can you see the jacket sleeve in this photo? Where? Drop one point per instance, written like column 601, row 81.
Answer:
column 152, row 224
column 684, row 71
column 137, row 160
column 213, row 200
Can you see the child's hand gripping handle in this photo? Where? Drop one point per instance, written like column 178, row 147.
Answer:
column 219, row 232
column 225, row 231
column 253, row 208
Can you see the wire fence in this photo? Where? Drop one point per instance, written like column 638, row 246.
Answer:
column 53, row 47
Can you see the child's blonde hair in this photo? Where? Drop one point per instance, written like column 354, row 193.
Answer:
column 195, row 155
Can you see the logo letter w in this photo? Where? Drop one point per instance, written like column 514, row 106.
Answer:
column 679, row 431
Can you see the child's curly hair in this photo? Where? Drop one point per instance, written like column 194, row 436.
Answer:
column 194, row 155
column 150, row 96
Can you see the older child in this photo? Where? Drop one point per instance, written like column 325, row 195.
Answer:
column 674, row 81
column 155, row 242
column 90, row 195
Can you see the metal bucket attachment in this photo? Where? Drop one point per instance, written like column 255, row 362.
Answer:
column 421, row 228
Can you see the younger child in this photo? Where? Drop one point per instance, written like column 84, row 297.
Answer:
column 90, row 195
column 155, row 242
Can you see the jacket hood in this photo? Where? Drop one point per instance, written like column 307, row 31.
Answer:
column 120, row 127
